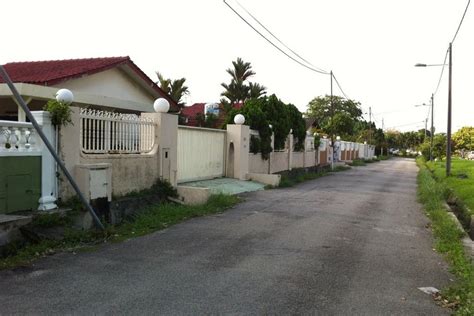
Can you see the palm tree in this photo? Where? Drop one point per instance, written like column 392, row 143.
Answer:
column 178, row 90
column 237, row 90
column 174, row 88
column 256, row 90
column 241, row 72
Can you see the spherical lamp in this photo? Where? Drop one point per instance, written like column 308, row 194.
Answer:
column 161, row 105
column 239, row 119
column 338, row 138
column 64, row 96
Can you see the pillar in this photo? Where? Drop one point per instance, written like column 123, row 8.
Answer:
column 238, row 136
column 47, row 200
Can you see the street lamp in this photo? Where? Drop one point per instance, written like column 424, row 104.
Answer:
column 450, row 81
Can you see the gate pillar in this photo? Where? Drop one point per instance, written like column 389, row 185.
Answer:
column 239, row 137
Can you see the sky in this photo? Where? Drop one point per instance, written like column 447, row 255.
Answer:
column 370, row 45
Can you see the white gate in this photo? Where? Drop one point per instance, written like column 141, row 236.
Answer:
column 201, row 153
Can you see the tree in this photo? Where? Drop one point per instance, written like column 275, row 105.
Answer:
column 463, row 139
column 262, row 112
column 238, row 90
column 174, row 88
column 256, row 90
column 340, row 118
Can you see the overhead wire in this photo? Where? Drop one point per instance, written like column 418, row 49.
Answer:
column 273, row 44
column 274, row 36
column 303, row 62
column 460, row 23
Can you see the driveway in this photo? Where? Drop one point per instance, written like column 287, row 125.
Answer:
column 351, row 243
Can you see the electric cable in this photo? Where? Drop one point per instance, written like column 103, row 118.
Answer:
column 273, row 44
column 462, row 19
column 274, row 36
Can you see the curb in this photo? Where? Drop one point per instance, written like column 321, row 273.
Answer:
column 467, row 242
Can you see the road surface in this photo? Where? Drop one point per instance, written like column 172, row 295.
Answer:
column 351, row 243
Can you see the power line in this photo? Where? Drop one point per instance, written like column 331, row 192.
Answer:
column 273, row 44
column 462, row 19
column 311, row 67
column 408, row 124
column 274, row 36
column 442, row 72
column 340, row 88
column 452, row 41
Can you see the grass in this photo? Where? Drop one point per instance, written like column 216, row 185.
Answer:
column 461, row 180
column 301, row 175
column 448, row 236
column 358, row 163
column 151, row 219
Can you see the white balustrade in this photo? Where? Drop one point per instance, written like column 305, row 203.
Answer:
column 18, row 137
column 105, row 132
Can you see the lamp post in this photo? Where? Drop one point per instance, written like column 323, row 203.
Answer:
column 448, row 136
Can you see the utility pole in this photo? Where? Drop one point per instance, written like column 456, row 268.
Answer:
column 432, row 128
column 448, row 145
column 332, row 127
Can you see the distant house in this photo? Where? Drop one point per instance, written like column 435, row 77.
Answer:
column 194, row 114
column 113, row 83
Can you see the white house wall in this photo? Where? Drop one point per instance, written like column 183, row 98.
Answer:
column 112, row 83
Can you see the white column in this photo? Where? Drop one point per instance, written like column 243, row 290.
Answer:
column 47, row 200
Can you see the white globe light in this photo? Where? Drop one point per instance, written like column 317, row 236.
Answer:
column 239, row 119
column 161, row 105
column 338, row 138
column 64, row 96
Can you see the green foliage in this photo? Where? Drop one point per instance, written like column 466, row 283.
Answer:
column 49, row 220
column 448, row 241
column 238, row 90
column 342, row 118
column 357, row 163
column 60, row 112
column 461, row 181
column 463, row 139
column 154, row 218
column 439, row 146
column 208, row 120
column 174, row 88
column 298, row 126
column 265, row 111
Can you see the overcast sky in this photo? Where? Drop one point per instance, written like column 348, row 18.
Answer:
column 371, row 45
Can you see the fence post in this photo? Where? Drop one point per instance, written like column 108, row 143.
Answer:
column 166, row 136
column 47, row 200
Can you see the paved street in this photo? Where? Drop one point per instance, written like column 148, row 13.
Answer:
column 352, row 243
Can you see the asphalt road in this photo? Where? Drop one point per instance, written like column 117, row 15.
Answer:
column 352, row 243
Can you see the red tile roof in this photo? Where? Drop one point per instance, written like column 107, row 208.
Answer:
column 52, row 72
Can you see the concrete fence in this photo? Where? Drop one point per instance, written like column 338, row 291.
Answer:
column 115, row 154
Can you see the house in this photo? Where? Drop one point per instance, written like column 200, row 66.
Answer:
column 113, row 85
column 103, row 83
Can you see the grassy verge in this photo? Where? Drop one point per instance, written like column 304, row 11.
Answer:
column 301, row 175
column 448, row 241
column 152, row 219
column 358, row 163
column 461, row 181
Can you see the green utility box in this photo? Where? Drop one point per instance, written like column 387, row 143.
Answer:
column 20, row 183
